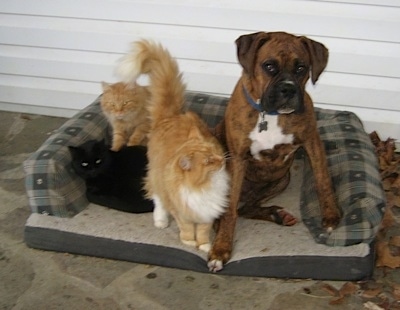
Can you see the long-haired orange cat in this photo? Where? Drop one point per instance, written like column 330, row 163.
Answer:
column 124, row 105
column 186, row 171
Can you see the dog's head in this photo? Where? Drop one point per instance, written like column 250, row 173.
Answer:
column 278, row 65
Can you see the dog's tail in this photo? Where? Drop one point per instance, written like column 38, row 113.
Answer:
column 166, row 84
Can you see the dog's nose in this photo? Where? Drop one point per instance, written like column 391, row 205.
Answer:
column 287, row 90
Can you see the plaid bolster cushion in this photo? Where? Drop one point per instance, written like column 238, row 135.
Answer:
column 52, row 186
column 353, row 167
column 210, row 108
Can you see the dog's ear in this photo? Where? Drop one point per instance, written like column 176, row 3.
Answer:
column 318, row 55
column 247, row 47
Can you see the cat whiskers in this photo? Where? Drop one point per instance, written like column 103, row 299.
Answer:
column 227, row 156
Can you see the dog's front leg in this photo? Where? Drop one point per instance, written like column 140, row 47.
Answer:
column 331, row 213
column 221, row 249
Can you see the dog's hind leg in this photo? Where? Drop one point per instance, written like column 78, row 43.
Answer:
column 253, row 195
column 274, row 214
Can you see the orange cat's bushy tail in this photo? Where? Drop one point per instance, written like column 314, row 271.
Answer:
column 166, row 84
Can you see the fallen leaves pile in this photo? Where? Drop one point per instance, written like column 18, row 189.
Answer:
column 373, row 294
column 388, row 239
column 383, row 292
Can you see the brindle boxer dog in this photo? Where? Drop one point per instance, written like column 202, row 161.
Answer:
column 269, row 116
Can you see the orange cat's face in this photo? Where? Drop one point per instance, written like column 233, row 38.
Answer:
column 120, row 100
column 198, row 162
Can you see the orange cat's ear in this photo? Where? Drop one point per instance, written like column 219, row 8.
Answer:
column 194, row 133
column 105, row 86
column 131, row 86
column 185, row 162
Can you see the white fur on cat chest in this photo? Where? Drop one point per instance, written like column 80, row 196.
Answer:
column 267, row 139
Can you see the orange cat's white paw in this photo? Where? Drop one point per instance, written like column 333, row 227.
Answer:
column 161, row 224
column 160, row 215
column 205, row 247
column 189, row 242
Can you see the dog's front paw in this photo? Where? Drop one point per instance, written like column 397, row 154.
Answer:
column 215, row 265
column 331, row 221
column 217, row 258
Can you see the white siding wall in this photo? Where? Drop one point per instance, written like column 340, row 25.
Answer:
column 54, row 53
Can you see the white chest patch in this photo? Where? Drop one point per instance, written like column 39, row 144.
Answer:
column 208, row 204
column 267, row 139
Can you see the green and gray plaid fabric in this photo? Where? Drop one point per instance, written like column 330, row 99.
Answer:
column 353, row 167
column 54, row 189
column 52, row 186
column 210, row 108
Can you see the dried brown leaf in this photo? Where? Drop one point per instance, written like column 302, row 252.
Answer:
column 387, row 184
column 388, row 219
column 390, row 148
column 337, row 300
column 370, row 285
column 395, row 241
column 394, row 250
column 384, row 257
column 394, row 200
column 330, row 289
column 372, row 306
column 371, row 293
column 374, row 138
column 395, row 187
column 348, row 288
column 396, row 291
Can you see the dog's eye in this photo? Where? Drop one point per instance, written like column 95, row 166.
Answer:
column 270, row 68
column 300, row 69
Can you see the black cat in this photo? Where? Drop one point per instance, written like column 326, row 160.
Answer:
column 113, row 179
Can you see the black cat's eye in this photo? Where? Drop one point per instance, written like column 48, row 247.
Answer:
column 98, row 161
column 84, row 164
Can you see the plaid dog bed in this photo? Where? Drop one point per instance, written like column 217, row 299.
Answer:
column 54, row 189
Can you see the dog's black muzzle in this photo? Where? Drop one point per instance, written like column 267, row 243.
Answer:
column 283, row 97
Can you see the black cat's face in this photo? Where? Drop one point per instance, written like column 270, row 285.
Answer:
column 90, row 159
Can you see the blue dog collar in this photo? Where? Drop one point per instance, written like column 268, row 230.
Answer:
column 255, row 104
